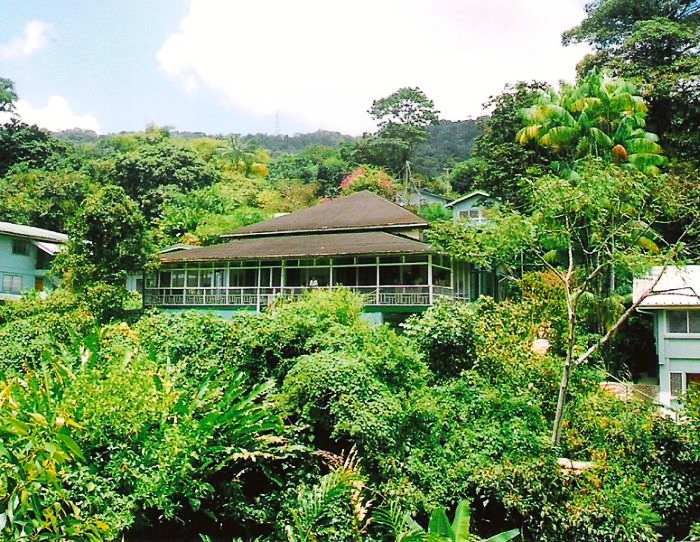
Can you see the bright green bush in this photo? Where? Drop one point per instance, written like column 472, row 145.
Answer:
column 446, row 335
column 26, row 342
column 105, row 301
column 32, row 303
column 199, row 344
column 457, row 407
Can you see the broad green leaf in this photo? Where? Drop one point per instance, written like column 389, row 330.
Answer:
column 504, row 536
column 461, row 523
column 439, row 524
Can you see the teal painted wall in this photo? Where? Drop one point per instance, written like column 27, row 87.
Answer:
column 17, row 264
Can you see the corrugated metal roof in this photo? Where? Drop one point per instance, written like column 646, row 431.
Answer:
column 360, row 211
column 49, row 248
column 30, row 232
column 678, row 287
column 302, row 246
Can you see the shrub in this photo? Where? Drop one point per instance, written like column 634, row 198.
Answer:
column 99, row 450
column 202, row 345
column 26, row 342
column 446, row 335
column 32, row 303
column 105, row 301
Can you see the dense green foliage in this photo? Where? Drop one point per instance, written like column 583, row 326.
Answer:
column 251, row 421
column 654, row 44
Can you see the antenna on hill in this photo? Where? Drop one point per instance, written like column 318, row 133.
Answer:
column 277, row 122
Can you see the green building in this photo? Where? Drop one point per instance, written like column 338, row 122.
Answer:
column 674, row 303
column 362, row 242
column 25, row 258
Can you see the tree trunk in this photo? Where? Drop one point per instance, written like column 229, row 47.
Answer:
column 561, row 401
column 566, row 372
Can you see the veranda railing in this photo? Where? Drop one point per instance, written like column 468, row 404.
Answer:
column 399, row 295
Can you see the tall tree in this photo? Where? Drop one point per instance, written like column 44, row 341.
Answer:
column 8, row 96
column 404, row 117
column 41, row 198
column 653, row 43
column 107, row 238
column 602, row 219
column 600, row 116
column 150, row 172
column 498, row 163
column 32, row 147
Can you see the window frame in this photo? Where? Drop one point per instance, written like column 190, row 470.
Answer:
column 25, row 250
column 687, row 332
column 13, row 280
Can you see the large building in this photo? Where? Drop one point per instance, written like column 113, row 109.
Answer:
column 675, row 305
column 362, row 242
column 25, row 258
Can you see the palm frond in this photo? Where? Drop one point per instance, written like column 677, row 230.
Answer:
column 559, row 136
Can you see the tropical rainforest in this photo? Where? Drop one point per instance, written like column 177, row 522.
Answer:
column 305, row 423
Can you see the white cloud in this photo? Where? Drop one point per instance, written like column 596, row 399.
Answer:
column 34, row 37
column 56, row 115
column 322, row 62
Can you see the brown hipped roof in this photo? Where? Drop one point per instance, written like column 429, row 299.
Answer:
column 303, row 246
column 360, row 211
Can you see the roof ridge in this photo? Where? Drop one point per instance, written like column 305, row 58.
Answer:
column 357, row 211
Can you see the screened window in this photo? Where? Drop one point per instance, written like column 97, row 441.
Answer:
column 694, row 321
column 318, row 276
column 178, row 278
column 415, row 275
column 441, row 277
column 292, row 277
column 165, row 279
column 683, row 321
column 390, row 275
column 205, row 278
column 12, row 283
column 366, row 276
column 309, row 276
column 192, row 278
column 243, row 278
column 344, row 276
column 474, row 215
column 20, row 247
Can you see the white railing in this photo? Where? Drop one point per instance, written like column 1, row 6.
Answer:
column 409, row 295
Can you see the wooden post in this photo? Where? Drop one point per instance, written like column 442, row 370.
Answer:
column 227, row 282
column 257, row 297
column 376, row 264
column 430, row 279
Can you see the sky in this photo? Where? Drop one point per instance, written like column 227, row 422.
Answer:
column 273, row 66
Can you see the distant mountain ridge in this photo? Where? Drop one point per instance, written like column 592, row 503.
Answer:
column 448, row 142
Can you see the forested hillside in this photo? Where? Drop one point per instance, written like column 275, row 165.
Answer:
column 490, row 420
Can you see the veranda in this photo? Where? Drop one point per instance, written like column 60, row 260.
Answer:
column 408, row 280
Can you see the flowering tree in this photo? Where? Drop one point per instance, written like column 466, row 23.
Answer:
column 369, row 178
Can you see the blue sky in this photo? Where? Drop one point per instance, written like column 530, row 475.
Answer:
column 235, row 66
